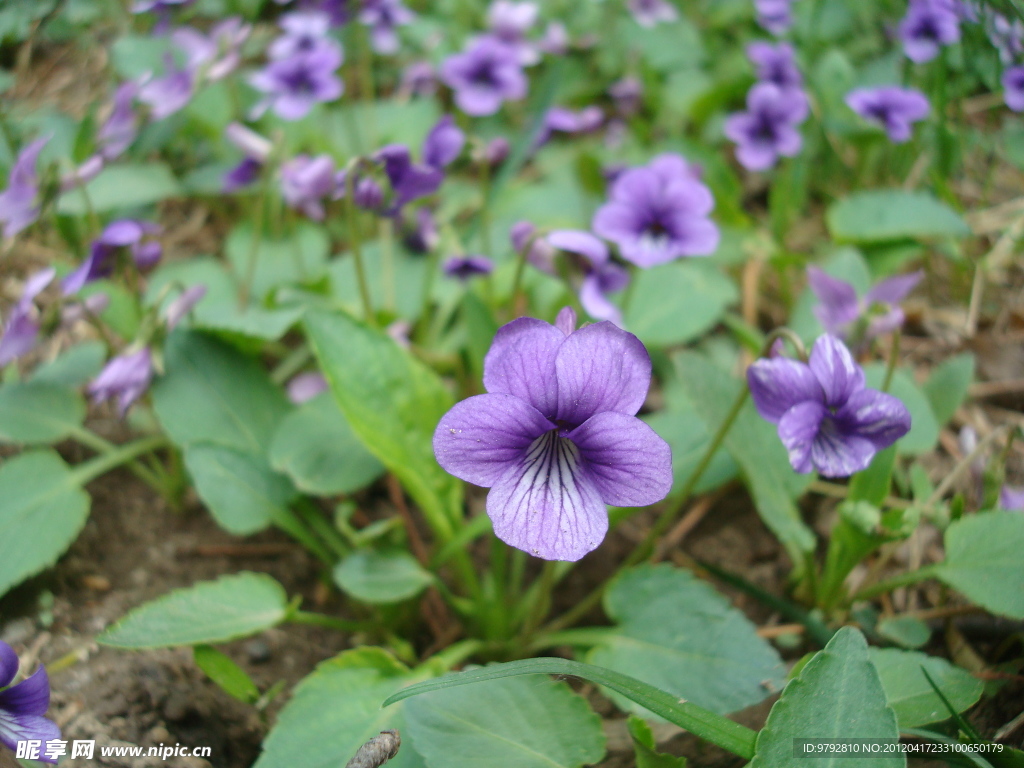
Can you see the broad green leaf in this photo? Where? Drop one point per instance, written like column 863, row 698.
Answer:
column 121, row 187
column 336, row 709
column 73, row 368
column 315, row 447
column 515, row 722
column 677, row 302
column 947, row 387
column 381, row 577
column 32, row 413
column 983, row 560
column 924, row 429
column 645, row 747
column 755, row 446
column 837, row 695
column 908, row 692
column 214, row 394
column 882, row 215
column 240, row 489
column 675, row 631
column 208, row 612
column 684, row 430
column 135, row 55
column 908, row 631
column 665, row 47
column 300, row 257
column 707, row 725
column 228, row 676
column 42, row 511
column 393, row 404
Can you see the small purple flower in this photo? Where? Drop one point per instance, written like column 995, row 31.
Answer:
column 170, row 93
column 306, row 386
column 22, row 329
column 183, row 304
column 256, row 149
column 929, row 25
column 307, row 181
column 424, row 237
column 304, row 32
column 368, row 194
column 555, row 40
column 215, row 55
column 1007, row 37
column 509, row 22
column 768, row 129
column 565, row 120
column 890, row 107
column 628, row 95
column 83, row 174
column 495, row 152
column 137, row 236
column 409, row 180
column 443, row 144
column 556, row 438
column 293, row 86
column 19, row 203
column 523, row 234
column 650, row 13
column 858, row 320
column 774, row 16
column 775, row 64
column 465, row 267
column 827, row 418
column 125, row 377
column 383, row 17
column 484, row 76
column 1011, row 498
column 601, row 276
column 119, row 130
column 23, row 706
column 419, row 79
column 1013, row 88
column 658, row 213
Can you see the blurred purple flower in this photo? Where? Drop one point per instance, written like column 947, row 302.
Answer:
column 409, row 180
column 650, row 13
column 556, row 437
column 19, row 203
column 929, row 25
column 159, row 6
column 768, row 129
column 126, row 377
column 465, row 267
column 306, row 386
column 119, row 130
column 523, row 234
column 256, row 149
column 1013, row 88
column 858, row 320
column 88, row 170
column 628, row 95
column 22, row 328
column 827, row 418
column 509, row 22
column 419, row 79
column 293, row 86
column 137, row 236
column 304, row 32
column 775, row 64
column 1007, row 37
column 217, row 54
column 601, row 276
column 484, row 76
column 307, row 181
column 443, row 144
column 170, row 93
column 383, row 17
column 774, row 16
column 184, row 303
column 424, row 237
column 565, row 120
column 891, row 108
column 23, row 706
column 494, row 152
column 555, row 40
column 1011, row 498
column 658, row 212
column 368, row 194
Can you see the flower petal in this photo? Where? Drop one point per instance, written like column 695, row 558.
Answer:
column 580, row 242
column 838, row 300
column 629, row 463
column 798, row 429
column 835, row 454
column 521, row 362
column 894, row 289
column 835, row 369
column 780, row 383
column 29, row 697
column 601, row 368
column 596, row 303
column 547, row 505
column 480, row 437
column 8, row 664
column 875, row 416
column 15, row 728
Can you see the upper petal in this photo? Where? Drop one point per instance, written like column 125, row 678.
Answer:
column 29, row 697
column 601, row 368
column 836, row 370
column 838, row 299
column 521, row 362
column 547, row 504
column 583, row 243
column 779, row 383
column 798, row 429
column 894, row 289
column 481, row 437
column 876, row 416
column 629, row 463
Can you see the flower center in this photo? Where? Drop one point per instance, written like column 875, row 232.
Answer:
column 552, row 460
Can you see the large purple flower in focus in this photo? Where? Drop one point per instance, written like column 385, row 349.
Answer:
column 556, row 438
column 775, row 64
column 858, row 320
column 658, row 213
column 890, row 107
column 293, row 86
column 929, row 25
column 23, row 706
column 484, row 76
column 126, row 377
column 22, row 328
column 19, row 203
column 768, row 129
column 827, row 418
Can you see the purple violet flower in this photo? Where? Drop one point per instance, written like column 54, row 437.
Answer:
column 183, row 304
column 484, row 76
column 555, row 40
column 170, row 93
column 443, row 144
column 424, row 237
column 628, row 95
column 307, row 181
column 383, row 17
column 768, row 129
column 658, row 213
column 565, row 120
column 23, row 706
column 159, row 6
column 256, row 149
column 827, row 418
column 83, row 174
column 556, row 438
column 293, row 86
column 409, row 180
column 650, row 13
column 306, row 386
column 125, row 377
column 1013, row 88
column 541, row 253
column 891, row 108
column 928, row 25
column 858, row 320
column 217, row 54
column 601, row 276
column 19, row 203
column 304, row 32
column 775, row 64
column 774, row 16
column 22, row 328
column 509, row 22
column 465, row 267
column 1007, row 37
column 1011, row 498
column 419, row 79
column 119, row 130
column 137, row 236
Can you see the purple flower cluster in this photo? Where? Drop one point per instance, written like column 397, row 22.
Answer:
column 23, row 706
column 827, row 418
column 928, row 26
column 858, row 320
column 890, row 107
column 556, row 437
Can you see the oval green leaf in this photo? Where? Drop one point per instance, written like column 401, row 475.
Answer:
column 983, row 560
column 35, row 413
column 908, row 692
column 381, row 577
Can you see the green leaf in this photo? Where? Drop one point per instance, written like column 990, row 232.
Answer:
column 240, row 489
column 908, row 692
column 947, row 387
column 683, row 429
column 872, row 484
column 706, row 725
column 43, row 510
column 33, row 413
column 300, row 257
column 924, row 429
column 393, row 403
column 517, row 722
column 837, row 695
column 229, row 677
column 74, row 367
column 882, row 215
column 208, row 612
column 381, row 577
column 755, row 446
column 647, row 755
column 676, row 631
column 983, row 561
column 315, row 447
column 336, row 709
column 908, row 631
column 677, row 302
column 121, row 187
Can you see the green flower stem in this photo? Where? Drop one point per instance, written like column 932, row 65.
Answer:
column 93, row 441
column 387, row 243
column 351, row 217
column 122, row 454
column 254, row 247
column 537, row 602
column 485, row 209
column 903, row 580
column 328, row 534
column 291, row 364
column 331, row 622
column 296, row 527
column 894, row 354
